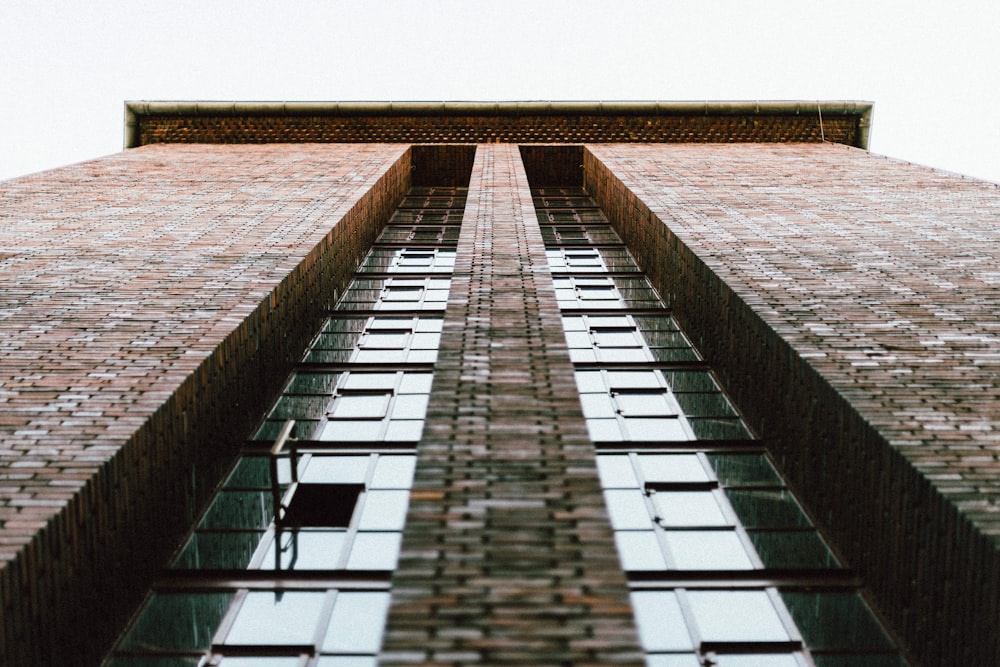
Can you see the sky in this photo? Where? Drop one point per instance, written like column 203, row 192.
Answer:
column 931, row 68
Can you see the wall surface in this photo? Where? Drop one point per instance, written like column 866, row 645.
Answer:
column 150, row 301
column 508, row 556
column 851, row 305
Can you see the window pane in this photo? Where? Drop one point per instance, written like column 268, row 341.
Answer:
column 277, row 618
column 384, row 510
column 661, row 624
column 218, row 551
column 374, row 551
column 744, row 470
column 305, row 550
column 404, row 430
column 239, row 509
column 644, row 405
column 788, row 549
column 360, row 406
column 410, row 406
column 597, row 406
column 639, row 551
column 416, row 383
column 834, row 620
column 647, row 429
column 767, row 508
column 365, row 381
column 672, row 468
column 616, row 471
column 689, row 508
column 345, row 431
column 394, row 472
column 707, row 550
column 627, row 509
column 178, row 621
column 336, row 470
column 357, row 622
column 736, row 616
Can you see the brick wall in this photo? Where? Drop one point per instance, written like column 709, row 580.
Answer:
column 850, row 303
column 508, row 556
column 151, row 301
column 488, row 128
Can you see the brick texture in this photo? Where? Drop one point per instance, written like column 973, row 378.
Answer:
column 151, row 300
column 508, row 556
column 699, row 128
column 850, row 303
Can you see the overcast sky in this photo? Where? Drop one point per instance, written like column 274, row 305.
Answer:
column 932, row 68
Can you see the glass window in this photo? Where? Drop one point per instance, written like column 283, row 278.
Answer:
column 178, row 621
column 689, row 509
column 276, row 618
column 356, row 624
column 360, row 406
column 639, row 551
column 660, row 621
column 672, row 468
column 707, row 550
column 736, row 616
column 305, row 550
column 627, row 509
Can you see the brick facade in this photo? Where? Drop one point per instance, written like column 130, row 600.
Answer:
column 508, row 556
column 151, row 300
column 867, row 289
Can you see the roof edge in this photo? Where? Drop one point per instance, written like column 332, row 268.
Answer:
column 138, row 109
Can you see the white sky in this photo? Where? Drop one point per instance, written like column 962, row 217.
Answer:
column 932, row 68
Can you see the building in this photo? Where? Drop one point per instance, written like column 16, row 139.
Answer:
column 544, row 457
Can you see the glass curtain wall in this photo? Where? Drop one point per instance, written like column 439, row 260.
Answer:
column 725, row 566
column 290, row 563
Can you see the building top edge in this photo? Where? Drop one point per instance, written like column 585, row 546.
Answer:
column 138, row 112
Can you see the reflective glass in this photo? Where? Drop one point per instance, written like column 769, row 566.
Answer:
column 705, row 405
column 374, row 551
column 643, row 404
column 622, row 380
column 639, row 551
column 276, row 618
column 239, row 509
column 744, row 470
column 384, row 510
column 660, row 621
column 404, row 430
column 604, row 430
column 672, row 468
column 357, row 622
column 416, row 383
column 347, row 661
column 736, row 616
column 394, row 472
column 260, row 662
column 412, row 406
column 719, row 429
column 834, row 620
column 762, row 508
column 360, row 406
column 647, row 429
column 616, row 471
column 178, row 621
column 346, row 431
column 369, row 381
column 627, row 509
column 218, row 551
column 792, row 549
column 312, row 383
column 336, row 470
column 707, row 550
column 689, row 509
column 597, row 406
column 305, row 550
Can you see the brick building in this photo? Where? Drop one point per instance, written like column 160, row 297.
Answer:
column 499, row 383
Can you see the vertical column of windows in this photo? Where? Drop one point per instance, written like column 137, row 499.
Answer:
column 725, row 566
column 290, row 562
